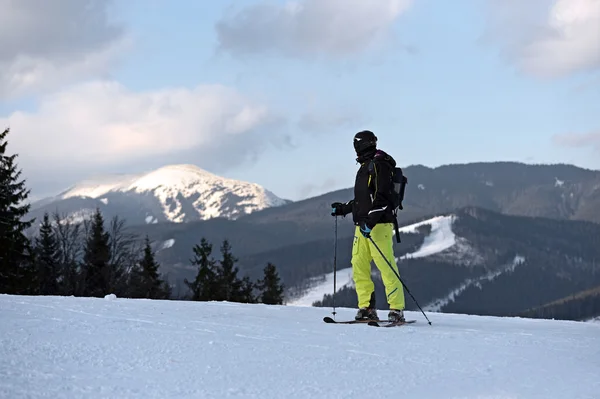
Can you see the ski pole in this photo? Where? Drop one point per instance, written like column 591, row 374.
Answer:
column 334, row 264
column 397, row 275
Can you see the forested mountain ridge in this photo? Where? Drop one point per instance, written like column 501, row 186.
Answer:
column 553, row 191
column 583, row 305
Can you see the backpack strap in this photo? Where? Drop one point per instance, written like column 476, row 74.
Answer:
column 371, row 168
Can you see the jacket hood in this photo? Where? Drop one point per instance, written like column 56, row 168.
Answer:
column 378, row 156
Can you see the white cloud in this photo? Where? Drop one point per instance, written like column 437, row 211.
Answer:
column 548, row 39
column 46, row 44
column 307, row 28
column 103, row 123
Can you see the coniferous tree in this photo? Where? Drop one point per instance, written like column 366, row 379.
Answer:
column 246, row 294
column 48, row 259
column 204, row 285
column 96, row 259
column 145, row 281
column 17, row 272
column 229, row 286
column 272, row 290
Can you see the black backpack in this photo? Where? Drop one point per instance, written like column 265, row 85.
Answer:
column 399, row 182
column 399, row 185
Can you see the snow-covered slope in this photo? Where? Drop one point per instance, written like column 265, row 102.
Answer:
column 443, row 243
column 67, row 347
column 176, row 193
column 441, row 237
column 324, row 286
column 437, row 305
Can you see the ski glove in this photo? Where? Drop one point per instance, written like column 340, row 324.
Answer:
column 365, row 230
column 337, row 209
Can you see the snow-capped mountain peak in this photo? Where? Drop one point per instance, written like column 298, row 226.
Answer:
column 177, row 193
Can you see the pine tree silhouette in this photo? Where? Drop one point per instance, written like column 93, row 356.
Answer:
column 246, row 294
column 270, row 286
column 17, row 270
column 48, row 259
column 229, row 286
column 96, row 258
column 204, row 285
column 145, row 279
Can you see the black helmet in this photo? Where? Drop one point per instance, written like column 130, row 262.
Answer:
column 364, row 142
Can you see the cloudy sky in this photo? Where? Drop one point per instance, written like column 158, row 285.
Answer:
column 272, row 91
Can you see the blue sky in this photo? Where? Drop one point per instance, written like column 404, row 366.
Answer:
column 438, row 82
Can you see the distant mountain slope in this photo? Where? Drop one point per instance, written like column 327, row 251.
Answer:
column 471, row 260
column 175, row 193
column 584, row 305
column 497, row 265
column 553, row 191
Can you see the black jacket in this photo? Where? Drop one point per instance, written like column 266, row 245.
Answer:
column 372, row 189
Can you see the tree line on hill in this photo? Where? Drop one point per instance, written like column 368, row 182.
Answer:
column 94, row 259
column 581, row 306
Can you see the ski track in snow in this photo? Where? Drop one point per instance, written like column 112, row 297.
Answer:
column 168, row 244
column 66, row 347
column 441, row 237
column 316, row 293
column 438, row 304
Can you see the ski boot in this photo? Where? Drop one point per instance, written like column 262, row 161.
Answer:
column 366, row 314
column 395, row 316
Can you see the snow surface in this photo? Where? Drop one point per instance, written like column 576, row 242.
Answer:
column 67, row 347
column 168, row 243
column 210, row 195
column 441, row 237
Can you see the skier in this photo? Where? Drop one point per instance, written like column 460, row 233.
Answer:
column 372, row 214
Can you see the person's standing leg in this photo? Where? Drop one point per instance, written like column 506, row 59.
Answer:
column 361, row 274
column 382, row 237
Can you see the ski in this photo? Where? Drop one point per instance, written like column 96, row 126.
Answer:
column 385, row 323
column 328, row 319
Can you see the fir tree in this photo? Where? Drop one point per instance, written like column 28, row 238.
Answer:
column 146, row 282
column 204, row 285
column 96, row 259
column 229, row 287
column 17, row 272
column 246, row 294
column 272, row 290
column 48, row 260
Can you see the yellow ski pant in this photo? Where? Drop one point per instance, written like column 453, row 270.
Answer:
column 363, row 252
